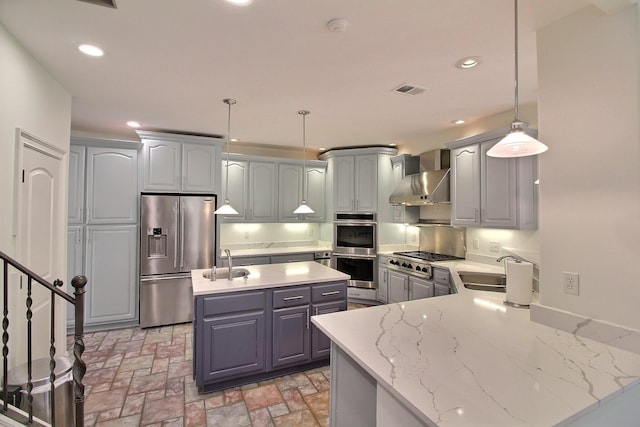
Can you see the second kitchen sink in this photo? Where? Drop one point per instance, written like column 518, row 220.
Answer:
column 495, row 282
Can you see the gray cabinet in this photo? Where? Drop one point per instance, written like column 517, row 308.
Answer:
column 230, row 336
column 492, row 192
column 277, row 259
column 290, row 192
column 111, row 186
column 111, row 271
column 398, row 284
column 247, row 336
column 261, row 260
column 402, row 166
column 443, row 283
column 174, row 162
column 75, row 265
column 420, row 288
column 383, row 280
column 75, row 213
column 252, row 190
column 355, row 183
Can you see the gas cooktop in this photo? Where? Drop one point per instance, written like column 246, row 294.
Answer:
column 427, row 256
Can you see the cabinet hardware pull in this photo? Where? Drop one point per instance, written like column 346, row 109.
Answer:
column 181, row 236
column 308, row 317
column 326, row 294
column 292, row 298
column 316, row 311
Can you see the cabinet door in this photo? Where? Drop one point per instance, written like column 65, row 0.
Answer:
column 263, row 191
column 200, row 168
column 440, row 290
column 366, row 183
column 291, row 343
column 244, row 261
column 75, row 243
column 465, row 186
column 278, row 259
column 289, row 191
column 232, row 345
column 397, row 175
column 498, row 190
column 238, row 188
column 111, row 258
column 420, row 288
column 343, row 184
column 76, row 185
column 398, row 286
column 320, row 343
column 112, row 190
column 316, row 193
column 383, row 284
column 162, row 165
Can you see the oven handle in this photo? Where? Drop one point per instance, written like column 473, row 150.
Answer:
column 355, row 256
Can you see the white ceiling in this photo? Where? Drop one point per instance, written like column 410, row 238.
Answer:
column 169, row 64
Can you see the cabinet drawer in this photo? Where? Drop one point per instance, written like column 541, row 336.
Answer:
column 241, row 301
column 441, row 276
column 328, row 292
column 291, row 297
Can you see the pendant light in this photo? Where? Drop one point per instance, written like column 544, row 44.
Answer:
column 304, row 207
column 226, row 208
column 517, row 143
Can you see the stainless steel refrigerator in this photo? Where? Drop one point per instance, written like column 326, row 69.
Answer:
column 177, row 235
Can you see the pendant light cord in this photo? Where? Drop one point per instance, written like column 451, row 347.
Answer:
column 517, row 118
column 304, row 150
column 229, row 102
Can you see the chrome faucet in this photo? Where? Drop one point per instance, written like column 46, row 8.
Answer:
column 229, row 262
column 509, row 256
column 212, row 274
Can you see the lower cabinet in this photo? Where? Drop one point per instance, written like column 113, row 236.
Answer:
column 252, row 335
column 261, row 260
column 395, row 286
column 420, row 288
column 398, row 284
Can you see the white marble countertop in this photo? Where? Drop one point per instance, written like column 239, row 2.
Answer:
column 468, row 360
column 265, row 276
column 277, row 250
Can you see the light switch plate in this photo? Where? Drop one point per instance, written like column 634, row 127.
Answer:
column 494, row 247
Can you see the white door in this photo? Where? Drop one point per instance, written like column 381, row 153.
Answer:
column 39, row 247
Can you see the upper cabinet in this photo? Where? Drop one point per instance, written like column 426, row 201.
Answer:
column 290, row 191
column 75, row 213
column 174, row 162
column 355, row 178
column 112, row 190
column 402, row 166
column 491, row 192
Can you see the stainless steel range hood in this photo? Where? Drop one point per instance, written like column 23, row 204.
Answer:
column 430, row 186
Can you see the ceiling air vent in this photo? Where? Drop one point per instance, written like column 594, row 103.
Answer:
column 105, row 3
column 408, row 89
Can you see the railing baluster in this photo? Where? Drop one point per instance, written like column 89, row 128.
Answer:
column 52, row 355
column 5, row 335
column 29, row 349
column 79, row 367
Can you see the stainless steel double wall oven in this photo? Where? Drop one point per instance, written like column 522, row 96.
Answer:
column 355, row 247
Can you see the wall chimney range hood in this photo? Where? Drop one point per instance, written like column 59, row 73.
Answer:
column 430, row 186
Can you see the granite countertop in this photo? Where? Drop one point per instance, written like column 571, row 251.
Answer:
column 468, row 360
column 265, row 276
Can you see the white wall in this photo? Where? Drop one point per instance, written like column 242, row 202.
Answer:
column 589, row 105
column 34, row 101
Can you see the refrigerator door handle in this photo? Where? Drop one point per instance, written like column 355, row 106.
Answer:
column 175, row 241
column 181, row 234
column 170, row 276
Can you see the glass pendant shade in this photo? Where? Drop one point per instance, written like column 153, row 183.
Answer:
column 304, row 208
column 517, row 143
column 226, row 208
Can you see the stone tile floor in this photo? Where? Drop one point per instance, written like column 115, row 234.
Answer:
column 143, row 377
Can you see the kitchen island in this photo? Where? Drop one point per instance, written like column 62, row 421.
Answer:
column 468, row 360
column 259, row 326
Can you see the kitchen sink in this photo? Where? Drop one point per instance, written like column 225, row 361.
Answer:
column 223, row 273
column 495, row 282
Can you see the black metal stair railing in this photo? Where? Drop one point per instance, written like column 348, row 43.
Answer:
column 79, row 367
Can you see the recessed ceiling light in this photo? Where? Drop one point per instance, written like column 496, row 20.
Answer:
column 91, row 50
column 457, row 122
column 240, row 2
column 393, row 144
column 468, row 62
column 133, row 124
column 233, row 139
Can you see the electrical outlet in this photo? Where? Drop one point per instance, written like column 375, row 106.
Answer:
column 494, row 247
column 476, row 243
column 571, row 283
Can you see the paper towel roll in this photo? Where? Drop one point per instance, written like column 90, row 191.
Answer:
column 519, row 282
